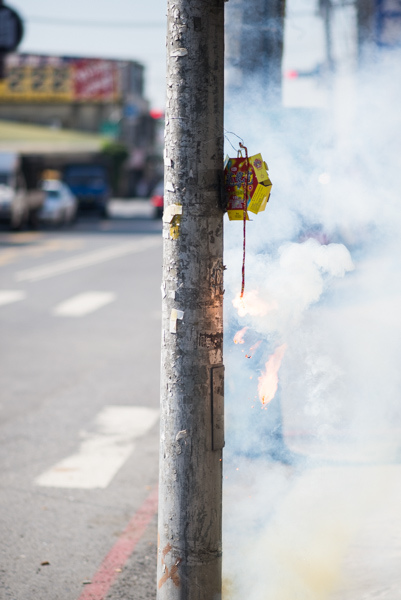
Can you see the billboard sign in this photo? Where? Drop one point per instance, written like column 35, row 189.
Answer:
column 94, row 79
column 31, row 78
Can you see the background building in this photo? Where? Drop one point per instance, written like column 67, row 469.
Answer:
column 86, row 94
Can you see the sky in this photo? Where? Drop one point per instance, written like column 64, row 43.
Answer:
column 126, row 29
column 136, row 30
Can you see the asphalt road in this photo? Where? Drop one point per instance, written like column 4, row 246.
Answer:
column 80, row 314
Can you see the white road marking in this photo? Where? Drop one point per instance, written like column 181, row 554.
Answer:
column 103, row 453
column 83, row 304
column 87, row 260
column 9, row 296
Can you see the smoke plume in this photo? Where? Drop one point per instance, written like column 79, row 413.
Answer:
column 323, row 277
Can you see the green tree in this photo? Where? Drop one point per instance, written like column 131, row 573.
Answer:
column 117, row 154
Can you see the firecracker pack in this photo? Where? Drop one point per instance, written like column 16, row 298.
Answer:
column 254, row 182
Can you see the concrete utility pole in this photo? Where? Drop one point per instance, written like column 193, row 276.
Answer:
column 190, row 497
column 255, row 49
column 326, row 11
column 365, row 13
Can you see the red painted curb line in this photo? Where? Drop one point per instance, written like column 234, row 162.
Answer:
column 121, row 551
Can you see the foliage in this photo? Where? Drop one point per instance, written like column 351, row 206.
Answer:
column 117, row 154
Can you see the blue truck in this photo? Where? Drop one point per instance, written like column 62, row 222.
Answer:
column 90, row 183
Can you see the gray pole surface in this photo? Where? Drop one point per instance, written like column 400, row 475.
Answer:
column 190, row 493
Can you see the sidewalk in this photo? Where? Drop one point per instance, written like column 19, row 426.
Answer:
column 131, row 208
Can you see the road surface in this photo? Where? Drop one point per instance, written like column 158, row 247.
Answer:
column 80, row 314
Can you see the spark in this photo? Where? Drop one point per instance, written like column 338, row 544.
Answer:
column 251, row 304
column 239, row 336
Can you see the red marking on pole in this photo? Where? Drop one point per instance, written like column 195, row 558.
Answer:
column 172, row 572
column 121, row 551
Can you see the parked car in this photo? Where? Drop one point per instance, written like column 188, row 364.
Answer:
column 157, row 200
column 60, row 205
column 19, row 203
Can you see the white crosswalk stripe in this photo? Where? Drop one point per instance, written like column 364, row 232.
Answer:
column 10, row 296
column 83, row 304
column 103, row 452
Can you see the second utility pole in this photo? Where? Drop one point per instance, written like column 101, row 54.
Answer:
column 192, row 385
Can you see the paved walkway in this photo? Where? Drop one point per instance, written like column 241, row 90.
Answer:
column 127, row 208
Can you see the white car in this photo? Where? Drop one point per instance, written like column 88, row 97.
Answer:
column 60, row 205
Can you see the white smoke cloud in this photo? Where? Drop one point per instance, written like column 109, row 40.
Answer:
column 323, row 271
column 284, row 286
column 322, row 262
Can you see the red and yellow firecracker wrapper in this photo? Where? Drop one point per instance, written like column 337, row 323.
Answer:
column 236, row 179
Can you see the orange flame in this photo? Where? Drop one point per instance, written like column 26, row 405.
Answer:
column 268, row 381
column 252, row 348
column 251, row 304
column 239, row 336
column 255, row 346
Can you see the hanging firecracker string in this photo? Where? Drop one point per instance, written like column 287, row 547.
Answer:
column 248, row 189
column 245, row 207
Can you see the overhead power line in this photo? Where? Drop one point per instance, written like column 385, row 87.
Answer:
column 91, row 23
